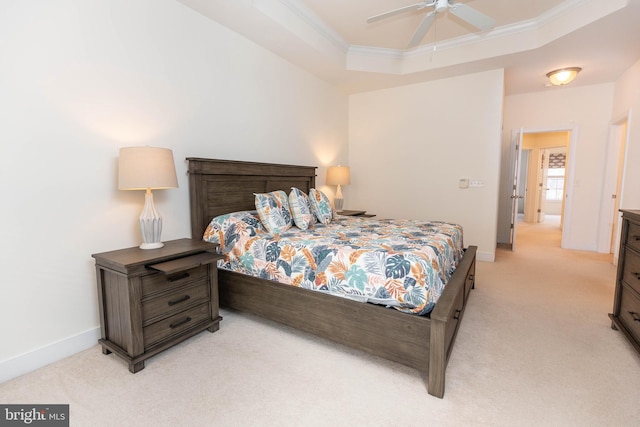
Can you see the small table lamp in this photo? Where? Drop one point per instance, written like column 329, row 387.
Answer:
column 147, row 168
column 338, row 175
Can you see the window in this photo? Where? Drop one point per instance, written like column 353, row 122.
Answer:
column 555, row 184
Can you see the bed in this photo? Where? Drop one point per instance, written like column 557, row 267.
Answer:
column 219, row 187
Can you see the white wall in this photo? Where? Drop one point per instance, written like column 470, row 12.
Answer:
column 627, row 103
column 587, row 110
column 408, row 147
column 80, row 79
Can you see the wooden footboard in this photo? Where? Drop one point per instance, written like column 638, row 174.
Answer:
column 416, row 341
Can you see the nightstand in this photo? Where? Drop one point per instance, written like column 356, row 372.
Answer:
column 356, row 213
column 150, row 300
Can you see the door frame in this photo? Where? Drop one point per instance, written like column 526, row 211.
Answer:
column 569, row 175
column 617, row 146
column 516, row 163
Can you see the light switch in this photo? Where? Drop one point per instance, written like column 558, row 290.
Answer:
column 463, row 183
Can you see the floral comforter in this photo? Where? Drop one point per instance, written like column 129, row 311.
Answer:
column 404, row 264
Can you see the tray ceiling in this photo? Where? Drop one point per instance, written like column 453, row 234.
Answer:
column 331, row 39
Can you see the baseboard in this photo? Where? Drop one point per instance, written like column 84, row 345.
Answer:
column 43, row 356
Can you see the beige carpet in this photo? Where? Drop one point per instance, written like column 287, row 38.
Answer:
column 535, row 349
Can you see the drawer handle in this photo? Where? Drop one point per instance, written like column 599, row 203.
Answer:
column 635, row 316
column 635, row 237
column 457, row 315
column 637, row 275
column 177, row 277
column 180, row 322
column 179, row 300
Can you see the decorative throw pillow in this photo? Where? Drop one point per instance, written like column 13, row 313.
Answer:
column 273, row 209
column 320, row 206
column 300, row 206
column 231, row 228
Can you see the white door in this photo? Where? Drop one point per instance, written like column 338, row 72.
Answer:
column 516, row 151
column 543, row 184
column 621, row 140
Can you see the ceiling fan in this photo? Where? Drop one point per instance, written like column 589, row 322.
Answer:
column 462, row 11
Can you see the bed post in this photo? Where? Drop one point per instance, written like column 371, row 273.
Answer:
column 445, row 321
column 437, row 358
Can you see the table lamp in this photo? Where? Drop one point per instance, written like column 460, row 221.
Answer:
column 338, row 175
column 147, row 168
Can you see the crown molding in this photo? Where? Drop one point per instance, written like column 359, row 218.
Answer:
column 314, row 21
column 530, row 34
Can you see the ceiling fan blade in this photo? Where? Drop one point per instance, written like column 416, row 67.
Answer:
column 396, row 12
column 422, row 29
column 472, row 16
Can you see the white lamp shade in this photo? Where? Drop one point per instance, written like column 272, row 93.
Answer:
column 338, row 175
column 142, row 168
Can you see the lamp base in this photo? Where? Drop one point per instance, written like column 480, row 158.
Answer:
column 150, row 224
column 338, row 201
column 155, row 245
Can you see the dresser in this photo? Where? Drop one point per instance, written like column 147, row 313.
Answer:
column 150, row 300
column 626, row 303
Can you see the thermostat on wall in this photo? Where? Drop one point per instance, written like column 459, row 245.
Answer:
column 463, row 183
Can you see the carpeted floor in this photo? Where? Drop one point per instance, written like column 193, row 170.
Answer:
column 535, row 349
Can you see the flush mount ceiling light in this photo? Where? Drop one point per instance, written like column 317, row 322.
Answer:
column 563, row 76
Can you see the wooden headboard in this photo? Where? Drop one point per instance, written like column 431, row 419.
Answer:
column 217, row 187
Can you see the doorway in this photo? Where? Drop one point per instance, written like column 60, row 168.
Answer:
column 542, row 166
column 611, row 195
column 543, row 175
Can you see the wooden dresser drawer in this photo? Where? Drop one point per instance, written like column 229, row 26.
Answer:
column 174, row 301
column 630, row 312
column 633, row 236
column 626, row 301
column 175, row 324
column 631, row 274
column 156, row 283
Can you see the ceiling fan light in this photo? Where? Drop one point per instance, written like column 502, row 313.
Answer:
column 563, row 76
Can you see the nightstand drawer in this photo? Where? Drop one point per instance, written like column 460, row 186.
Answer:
column 633, row 236
column 174, row 301
column 631, row 273
column 175, row 324
column 630, row 312
column 159, row 282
